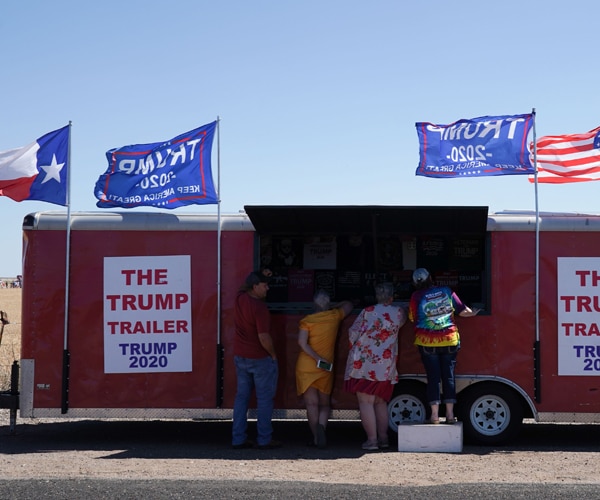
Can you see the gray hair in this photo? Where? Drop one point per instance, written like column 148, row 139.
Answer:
column 384, row 292
column 321, row 300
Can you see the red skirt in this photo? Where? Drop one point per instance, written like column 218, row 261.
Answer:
column 383, row 389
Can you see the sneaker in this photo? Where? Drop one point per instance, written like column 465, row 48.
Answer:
column 243, row 446
column 321, row 437
column 384, row 444
column 271, row 445
column 370, row 445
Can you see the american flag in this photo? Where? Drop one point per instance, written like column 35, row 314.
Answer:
column 568, row 158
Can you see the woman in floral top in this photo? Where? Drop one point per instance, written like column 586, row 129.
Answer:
column 371, row 368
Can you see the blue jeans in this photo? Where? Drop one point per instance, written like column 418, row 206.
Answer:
column 439, row 363
column 260, row 375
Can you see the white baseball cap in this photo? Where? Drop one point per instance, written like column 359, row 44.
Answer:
column 420, row 275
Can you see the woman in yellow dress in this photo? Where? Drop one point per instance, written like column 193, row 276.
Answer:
column 314, row 368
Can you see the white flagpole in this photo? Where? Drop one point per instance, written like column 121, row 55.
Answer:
column 218, row 231
column 66, row 356
column 536, row 345
column 220, row 352
column 537, row 234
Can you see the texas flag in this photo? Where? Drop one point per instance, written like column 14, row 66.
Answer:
column 37, row 171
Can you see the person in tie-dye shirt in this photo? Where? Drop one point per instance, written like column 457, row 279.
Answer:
column 432, row 309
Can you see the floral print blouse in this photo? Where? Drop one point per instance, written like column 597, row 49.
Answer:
column 374, row 343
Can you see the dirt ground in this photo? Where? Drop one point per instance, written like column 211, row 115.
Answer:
column 47, row 448
column 543, row 454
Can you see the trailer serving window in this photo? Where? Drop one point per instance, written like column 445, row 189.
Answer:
column 347, row 249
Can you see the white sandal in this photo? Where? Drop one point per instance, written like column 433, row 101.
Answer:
column 370, row 445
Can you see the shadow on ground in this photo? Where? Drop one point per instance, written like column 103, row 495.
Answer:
column 211, row 439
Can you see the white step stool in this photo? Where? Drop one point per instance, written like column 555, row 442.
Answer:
column 430, row 438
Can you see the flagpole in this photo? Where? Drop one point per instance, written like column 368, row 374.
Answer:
column 220, row 351
column 66, row 355
column 536, row 345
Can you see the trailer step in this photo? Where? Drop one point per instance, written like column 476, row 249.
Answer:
column 430, row 438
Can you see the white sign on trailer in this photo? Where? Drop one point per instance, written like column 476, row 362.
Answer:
column 578, row 316
column 147, row 314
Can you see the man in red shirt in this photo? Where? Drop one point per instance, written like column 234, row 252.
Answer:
column 255, row 362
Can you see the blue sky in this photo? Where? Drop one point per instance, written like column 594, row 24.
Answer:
column 318, row 99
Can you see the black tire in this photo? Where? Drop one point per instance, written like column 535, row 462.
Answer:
column 491, row 413
column 407, row 406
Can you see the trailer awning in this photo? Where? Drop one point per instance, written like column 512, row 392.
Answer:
column 289, row 219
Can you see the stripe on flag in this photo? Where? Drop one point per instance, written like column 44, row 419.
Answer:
column 569, row 158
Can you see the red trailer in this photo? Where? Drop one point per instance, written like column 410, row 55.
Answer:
column 135, row 320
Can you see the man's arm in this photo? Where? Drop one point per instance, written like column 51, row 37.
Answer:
column 266, row 341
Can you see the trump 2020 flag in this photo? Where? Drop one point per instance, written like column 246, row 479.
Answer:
column 37, row 171
column 479, row 147
column 568, row 158
column 167, row 174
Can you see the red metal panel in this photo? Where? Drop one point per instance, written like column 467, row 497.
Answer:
column 42, row 318
column 89, row 386
column 497, row 343
column 578, row 394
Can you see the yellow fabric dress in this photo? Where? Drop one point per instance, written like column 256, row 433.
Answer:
column 322, row 328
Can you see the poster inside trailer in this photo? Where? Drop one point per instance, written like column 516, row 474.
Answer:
column 147, row 314
column 578, row 318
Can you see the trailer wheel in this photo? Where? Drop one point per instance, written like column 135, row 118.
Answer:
column 408, row 404
column 491, row 414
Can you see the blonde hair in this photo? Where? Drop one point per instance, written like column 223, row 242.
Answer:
column 321, row 300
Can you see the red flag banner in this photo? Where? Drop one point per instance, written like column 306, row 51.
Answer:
column 568, row 158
